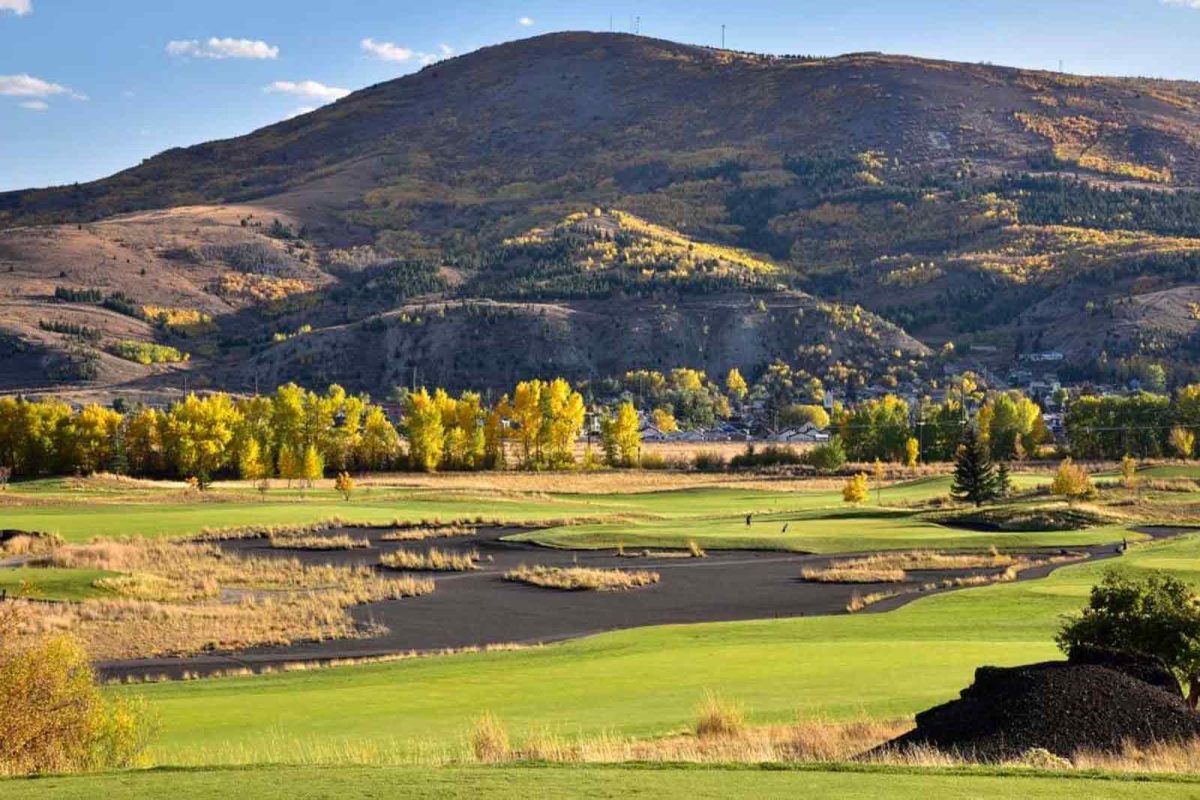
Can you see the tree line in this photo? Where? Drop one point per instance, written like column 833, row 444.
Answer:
column 295, row 434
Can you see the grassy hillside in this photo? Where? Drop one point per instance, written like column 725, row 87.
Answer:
column 1010, row 208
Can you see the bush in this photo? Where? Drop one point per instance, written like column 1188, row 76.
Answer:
column 1071, row 481
column 856, row 490
column 770, row 456
column 709, row 461
column 653, row 461
column 828, row 457
column 53, row 716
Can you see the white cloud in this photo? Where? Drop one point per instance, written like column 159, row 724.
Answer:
column 18, row 7
column 1185, row 3
column 525, row 22
column 312, row 89
column 219, row 49
column 386, row 51
column 35, row 105
column 29, row 86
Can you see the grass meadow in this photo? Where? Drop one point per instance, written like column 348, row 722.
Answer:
column 366, row 729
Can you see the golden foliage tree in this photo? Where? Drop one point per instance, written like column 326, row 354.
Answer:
column 53, row 715
column 735, row 384
column 345, row 485
column 856, row 490
column 1182, row 441
column 424, row 431
column 1071, row 481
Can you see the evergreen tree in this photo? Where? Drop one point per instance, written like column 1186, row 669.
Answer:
column 975, row 478
column 1004, row 482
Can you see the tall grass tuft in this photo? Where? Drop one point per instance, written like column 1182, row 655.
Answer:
column 489, row 740
column 718, row 717
column 433, row 560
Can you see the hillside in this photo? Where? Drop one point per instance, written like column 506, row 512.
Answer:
column 962, row 202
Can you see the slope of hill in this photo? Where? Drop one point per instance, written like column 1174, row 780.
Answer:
column 964, row 202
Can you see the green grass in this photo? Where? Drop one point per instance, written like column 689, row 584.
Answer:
column 643, row 682
column 54, row 584
column 818, row 521
column 312, row 783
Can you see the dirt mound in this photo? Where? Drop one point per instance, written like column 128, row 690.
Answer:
column 1096, row 701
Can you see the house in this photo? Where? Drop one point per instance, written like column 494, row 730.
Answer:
column 805, row 434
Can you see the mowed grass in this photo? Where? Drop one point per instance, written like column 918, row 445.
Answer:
column 714, row 517
column 643, row 682
column 54, row 584
column 593, row 782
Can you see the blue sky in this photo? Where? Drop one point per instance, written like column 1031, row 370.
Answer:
column 88, row 87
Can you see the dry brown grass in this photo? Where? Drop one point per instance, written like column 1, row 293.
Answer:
column 417, row 534
column 803, row 742
column 833, row 574
column 860, row 601
column 719, row 717
column 489, row 740
column 926, row 560
column 433, row 560
column 24, row 544
column 342, row 542
column 573, row 579
column 179, row 598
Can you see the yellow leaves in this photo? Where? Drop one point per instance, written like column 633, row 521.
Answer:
column 147, row 353
column 856, row 490
column 260, row 288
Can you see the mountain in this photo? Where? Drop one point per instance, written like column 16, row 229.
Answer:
column 590, row 203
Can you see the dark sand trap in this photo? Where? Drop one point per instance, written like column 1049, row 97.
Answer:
column 478, row 608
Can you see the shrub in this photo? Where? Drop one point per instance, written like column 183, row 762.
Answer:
column 770, row 456
column 53, row 716
column 718, row 717
column 828, row 457
column 709, row 461
column 653, row 461
column 345, row 485
column 489, row 740
column 1071, row 481
column 856, row 489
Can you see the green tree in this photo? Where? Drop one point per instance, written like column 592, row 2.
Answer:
column 1155, row 614
column 975, row 479
column 828, row 457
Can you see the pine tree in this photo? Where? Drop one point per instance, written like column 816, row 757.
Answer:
column 975, row 478
column 1004, row 482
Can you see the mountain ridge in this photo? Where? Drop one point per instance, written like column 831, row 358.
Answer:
column 970, row 203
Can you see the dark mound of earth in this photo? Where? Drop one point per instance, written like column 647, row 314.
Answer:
column 1097, row 700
